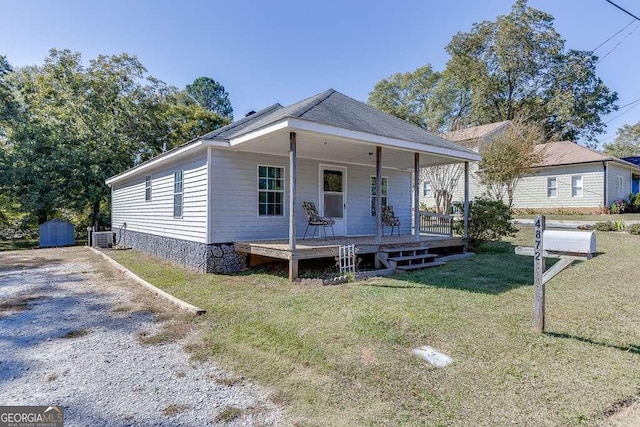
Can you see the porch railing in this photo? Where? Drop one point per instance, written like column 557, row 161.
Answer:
column 433, row 223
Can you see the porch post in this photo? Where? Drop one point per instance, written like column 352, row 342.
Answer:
column 416, row 195
column 293, row 174
column 466, row 200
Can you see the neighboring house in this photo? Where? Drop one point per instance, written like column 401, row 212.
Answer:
column 635, row 188
column 473, row 138
column 571, row 177
column 237, row 183
column 575, row 178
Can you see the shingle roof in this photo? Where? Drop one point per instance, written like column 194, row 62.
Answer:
column 635, row 160
column 568, row 152
column 335, row 109
column 475, row 132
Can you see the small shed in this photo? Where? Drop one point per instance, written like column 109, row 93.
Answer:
column 57, row 232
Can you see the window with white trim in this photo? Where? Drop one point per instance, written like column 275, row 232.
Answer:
column 270, row 191
column 147, row 188
column 552, row 187
column 576, row 186
column 178, row 189
column 373, row 193
column 620, row 187
column 426, row 189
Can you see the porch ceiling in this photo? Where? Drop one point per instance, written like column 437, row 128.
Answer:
column 329, row 148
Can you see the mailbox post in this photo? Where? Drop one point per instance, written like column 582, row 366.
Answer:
column 566, row 246
column 538, row 273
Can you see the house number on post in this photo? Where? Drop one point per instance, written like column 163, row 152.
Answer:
column 539, row 267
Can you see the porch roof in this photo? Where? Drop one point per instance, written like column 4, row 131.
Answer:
column 330, row 127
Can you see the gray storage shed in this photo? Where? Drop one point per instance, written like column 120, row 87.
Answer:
column 57, row 232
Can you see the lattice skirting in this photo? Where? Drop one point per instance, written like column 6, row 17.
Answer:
column 214, row 258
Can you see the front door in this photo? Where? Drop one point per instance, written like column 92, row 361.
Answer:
column 333, row 190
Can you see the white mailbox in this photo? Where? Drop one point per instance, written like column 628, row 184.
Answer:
column 575, row 242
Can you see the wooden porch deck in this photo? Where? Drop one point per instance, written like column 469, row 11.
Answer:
column 326, row 248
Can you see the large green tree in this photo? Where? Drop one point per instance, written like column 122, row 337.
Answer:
column 211, row 95
column 627, row 142
column 83, row 124
column 518, row 65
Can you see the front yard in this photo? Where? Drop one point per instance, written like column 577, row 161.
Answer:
column 343, row 354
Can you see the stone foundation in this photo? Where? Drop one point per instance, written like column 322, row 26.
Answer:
column 214, row 258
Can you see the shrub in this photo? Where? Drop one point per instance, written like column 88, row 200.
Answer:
column 489, row 221
column 609, row 226
column 619, row 206
column 634, row 202
column 634, row 229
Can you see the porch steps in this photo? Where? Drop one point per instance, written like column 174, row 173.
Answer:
column 408, row 258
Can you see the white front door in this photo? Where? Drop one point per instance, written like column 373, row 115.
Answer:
column 333, row 196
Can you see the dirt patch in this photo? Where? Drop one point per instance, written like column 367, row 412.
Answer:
column 20, row 303
column 623, row 413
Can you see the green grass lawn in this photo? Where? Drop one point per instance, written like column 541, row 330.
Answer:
column 343, row 354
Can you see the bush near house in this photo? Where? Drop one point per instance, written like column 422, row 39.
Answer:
column 634, row 229
column 619, row 206
column 489, row 221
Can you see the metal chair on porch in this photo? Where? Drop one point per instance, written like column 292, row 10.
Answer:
column 389, row 219
column 315, row 220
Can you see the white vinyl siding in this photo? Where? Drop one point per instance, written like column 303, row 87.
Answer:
column 147, row 188
column 234, row 197
column 619, row 182
column 576, row 186
column 178, row 186
column 373, row 193
column 552, row 187
column 156, row 216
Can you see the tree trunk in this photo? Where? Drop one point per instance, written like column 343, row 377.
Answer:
column 42, row 217
column 95, row 214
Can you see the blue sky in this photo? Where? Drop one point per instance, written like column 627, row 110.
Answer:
column 283, row 51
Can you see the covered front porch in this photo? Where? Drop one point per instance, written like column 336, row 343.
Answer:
column 350, row 160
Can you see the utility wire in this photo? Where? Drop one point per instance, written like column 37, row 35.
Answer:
column 619, row 43
column 609, row 39
column 624, row 10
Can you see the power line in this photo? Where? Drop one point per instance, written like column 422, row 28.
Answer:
column 622, row 114
column 609, row 39
column 619, row 43
column 624, row 10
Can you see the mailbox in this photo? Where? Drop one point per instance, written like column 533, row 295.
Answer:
column 575, row 242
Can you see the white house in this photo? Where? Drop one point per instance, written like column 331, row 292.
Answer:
column 571, row 177
column 247, row 181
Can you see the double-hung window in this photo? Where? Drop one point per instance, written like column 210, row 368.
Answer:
column 552, row 187
column 373, row 193
column 178, row 189
column 426, row 189
column 147, row 188
column 620, row 187
column 270, row 191
column 576, row 186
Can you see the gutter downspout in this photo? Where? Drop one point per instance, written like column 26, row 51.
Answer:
column 606, row 184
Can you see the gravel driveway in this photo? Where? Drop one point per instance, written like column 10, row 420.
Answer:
column 70, row 336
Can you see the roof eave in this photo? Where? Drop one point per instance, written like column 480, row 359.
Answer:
column 295, row 123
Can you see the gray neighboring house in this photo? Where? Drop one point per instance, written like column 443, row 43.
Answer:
column 236, row 184
column 571, row 177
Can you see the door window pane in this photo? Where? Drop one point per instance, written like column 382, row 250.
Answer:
column 333, row 205
column 333, row 181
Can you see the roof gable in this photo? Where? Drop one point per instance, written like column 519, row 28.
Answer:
column 475, row 132
column 335, row 109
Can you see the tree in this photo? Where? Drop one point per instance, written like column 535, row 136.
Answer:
column 517, row 65
column 211, row 95
column 509, row 157
column 627, row 142
column 442, row 179
column 422, row 97
column 81, row 125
